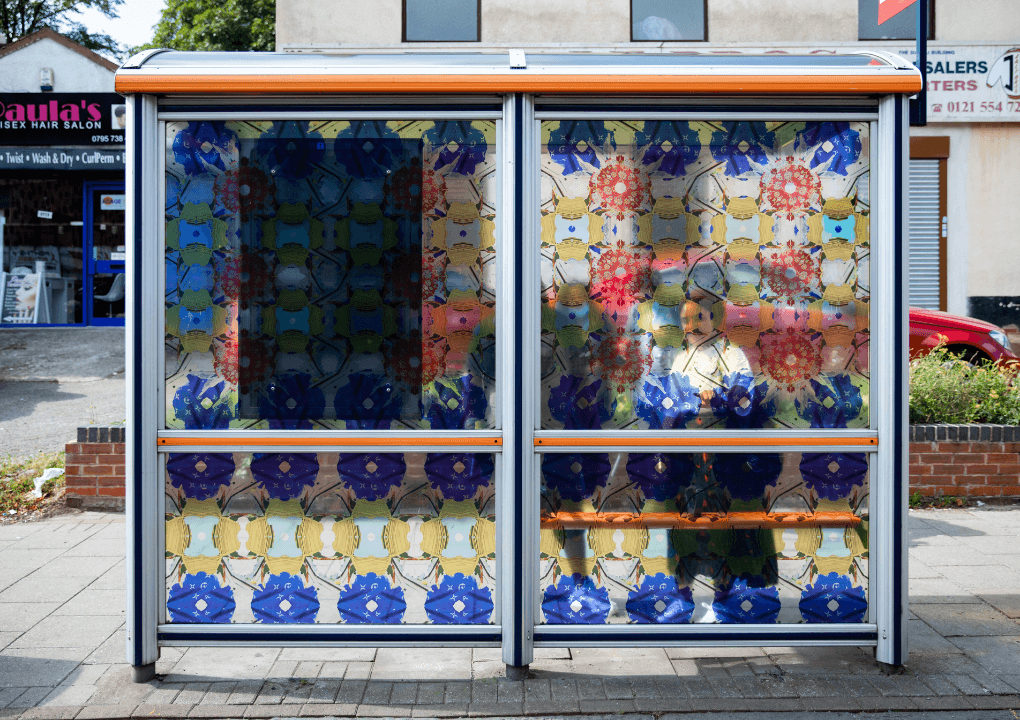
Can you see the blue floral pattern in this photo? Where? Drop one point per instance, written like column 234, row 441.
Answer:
column 285, row 598
column 575, row 476
column 201, row 404
column 372, row 600
column 738, row 144
column 742, row 403
column 660, row 476
column 741, row 602
column 371, row 476
column 833, row 598
column 575, row 600
column 669, row 146
column 659, row 600
column 458, row 476
column 200, row 598
column 285, row 475
column 669, row 402
column 458, row 600
column 200, row 476
column 746, row 475
column 575, row 404
column 834, row 475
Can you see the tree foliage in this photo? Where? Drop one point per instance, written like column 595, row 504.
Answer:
column 216, row 25
column 19, row 18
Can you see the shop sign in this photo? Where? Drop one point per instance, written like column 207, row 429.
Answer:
column 111, row 201
column 60, row 158
column 19, row 295
column 972, row 82
column 62, row 118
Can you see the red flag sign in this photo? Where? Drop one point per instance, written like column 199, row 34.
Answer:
column 888, row 8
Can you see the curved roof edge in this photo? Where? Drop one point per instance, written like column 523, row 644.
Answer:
column 681, row 73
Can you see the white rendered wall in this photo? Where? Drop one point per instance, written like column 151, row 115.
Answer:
column 19, row 71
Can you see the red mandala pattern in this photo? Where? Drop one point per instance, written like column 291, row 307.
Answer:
column 790, row 188
column 433, row 360
column 433, row 190
column 405, row 361
column 228, row 277
column 433, row 273
column 790, row 359
column 225, row 360
column 620, row 360
column 226, row 189
column 256, row 276
column 618, row 278
column 621, row 188
column 790, row 273
column 406, row 279
column 253, row 187
column 254, row 364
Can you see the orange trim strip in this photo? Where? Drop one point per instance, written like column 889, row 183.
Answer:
column 707, row 521
column 623, row 441
column 228, row 84
column 306, row 441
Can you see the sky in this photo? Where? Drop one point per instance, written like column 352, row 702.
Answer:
column 132, row 28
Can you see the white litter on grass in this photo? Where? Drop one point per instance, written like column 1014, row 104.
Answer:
column 47, row 475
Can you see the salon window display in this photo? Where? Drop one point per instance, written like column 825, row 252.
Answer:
column 330, row 275
column 701, row 275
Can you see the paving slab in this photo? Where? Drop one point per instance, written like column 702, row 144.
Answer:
column 422, row 664
column 55, row 630
column 38, row 667
column 998, row 655
column 966, row 620
column 1008, row 603
column 219, row 664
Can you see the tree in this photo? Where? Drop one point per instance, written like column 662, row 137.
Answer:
column 19, row 18
column 216, row 25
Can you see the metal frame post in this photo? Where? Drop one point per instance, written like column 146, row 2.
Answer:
column 142, row 345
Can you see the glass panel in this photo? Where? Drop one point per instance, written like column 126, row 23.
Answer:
column 330, row 274
column 705, row 275
column 704, row 538
column 108, row 253
column 441, row 20
column 667, row 19
column 381, row 538
column 30, row 237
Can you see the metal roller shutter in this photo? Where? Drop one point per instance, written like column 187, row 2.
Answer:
column 925, row 229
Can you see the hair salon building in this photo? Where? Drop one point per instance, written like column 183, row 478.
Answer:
column 61, row 185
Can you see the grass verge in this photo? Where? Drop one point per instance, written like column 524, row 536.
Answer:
column 17, row 483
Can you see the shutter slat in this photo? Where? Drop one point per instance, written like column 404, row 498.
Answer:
column 925, row 230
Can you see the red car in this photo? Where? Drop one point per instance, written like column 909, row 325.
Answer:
column 975, row 340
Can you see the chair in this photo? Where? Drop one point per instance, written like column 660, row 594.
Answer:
column 115, row 293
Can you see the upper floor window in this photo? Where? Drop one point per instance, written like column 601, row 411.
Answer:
column 902, row 26
column 668, row 20
column 442, row 20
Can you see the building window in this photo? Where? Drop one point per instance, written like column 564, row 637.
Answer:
column 668, row 20
column 901, row 26
column 442, row 20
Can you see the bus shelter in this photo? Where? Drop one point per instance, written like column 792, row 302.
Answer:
column 517, row 349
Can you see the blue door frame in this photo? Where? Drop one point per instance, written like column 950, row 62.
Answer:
column 92, row 266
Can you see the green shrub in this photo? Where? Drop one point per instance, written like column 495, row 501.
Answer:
column 945, row 389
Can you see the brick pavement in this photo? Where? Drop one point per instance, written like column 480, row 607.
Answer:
column 62, row 650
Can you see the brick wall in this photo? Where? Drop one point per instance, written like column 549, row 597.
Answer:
column 965, row 460
column 945, row 460
column 94, row 469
